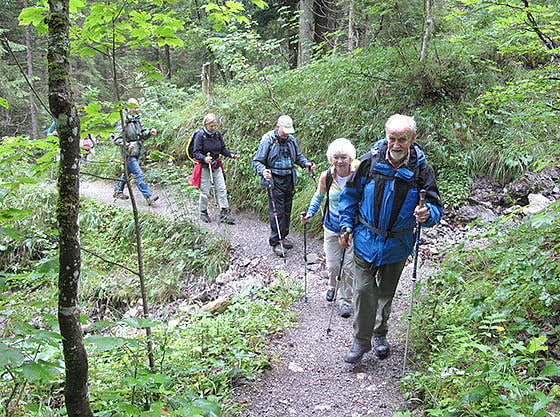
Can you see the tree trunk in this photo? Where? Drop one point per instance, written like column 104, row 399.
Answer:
column 306, row 33
column 32, row 104
column 206, row 82
column 428, row 28
column 352, row 33
column 168, row 72
column 61, row 103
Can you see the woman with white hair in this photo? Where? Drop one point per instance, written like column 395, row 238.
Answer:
column 341, row 154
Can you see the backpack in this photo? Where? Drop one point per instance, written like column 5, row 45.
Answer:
column 190, row 146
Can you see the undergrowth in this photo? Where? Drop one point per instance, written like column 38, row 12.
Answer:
column 488, row 325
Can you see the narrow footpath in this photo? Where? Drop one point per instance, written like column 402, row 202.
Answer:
column 308, row 376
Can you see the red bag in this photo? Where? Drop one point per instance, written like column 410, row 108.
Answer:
column 195, row 176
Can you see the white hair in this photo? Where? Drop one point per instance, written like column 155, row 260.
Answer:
column 400, row 121
column 343, row 146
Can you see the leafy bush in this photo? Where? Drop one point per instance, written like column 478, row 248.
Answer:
column 489, row 321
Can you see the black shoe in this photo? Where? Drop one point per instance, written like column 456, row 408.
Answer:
column 277, row 249
column 151, row 199
column 204, row 216
column 225, row 217
column 345, row 311
column 381, row 346
column 356, row 352
column 118, row 195
column 288, row 244
column 330, row 295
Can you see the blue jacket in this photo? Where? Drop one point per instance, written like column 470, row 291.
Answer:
column 381, row 198
column 269, row 150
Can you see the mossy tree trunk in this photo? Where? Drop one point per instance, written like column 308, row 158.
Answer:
column 61, row 103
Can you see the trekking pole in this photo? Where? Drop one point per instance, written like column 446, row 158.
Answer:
column 338, row 276
column 305, row 258
column 316, row 185
column 210, row 171
column 212, row 187
column 275, row 214
column 414, row 269
column 235, row 167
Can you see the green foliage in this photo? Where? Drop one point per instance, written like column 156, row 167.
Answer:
column 198, row 353
column 488, row 325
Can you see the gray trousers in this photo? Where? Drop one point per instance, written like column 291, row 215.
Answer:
column 373, row 291
column 333, row 252
column 219, row 186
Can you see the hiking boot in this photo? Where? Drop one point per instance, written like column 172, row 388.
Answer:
column 204, row 216
column 288, row 244
column 330, row 295
column 277, row 249
column 356, row 352
column 225, row 217
column 345, row 311
column 151, row 199
column 381, row 346
column 118, row 195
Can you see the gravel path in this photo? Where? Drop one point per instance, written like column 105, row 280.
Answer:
column 308, row 376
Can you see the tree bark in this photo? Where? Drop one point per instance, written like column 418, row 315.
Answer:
column 32, row 104
column 61, row 103
column 352, row 33
column 206, row 82
column 306, row 33
column 169, row 70
column 428, row 28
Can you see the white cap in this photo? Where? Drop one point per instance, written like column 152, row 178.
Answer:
column 286, row 123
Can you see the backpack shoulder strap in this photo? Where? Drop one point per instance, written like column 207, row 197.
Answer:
column 328, row 183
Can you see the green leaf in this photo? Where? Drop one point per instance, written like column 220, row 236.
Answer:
column 259, row 3
column 10, row 233
column 537, row 344
column 4, row 103
column 32, row 16
column 550, row 369
column 14, row 214
column 105, row 343
column 76, row 5
column 39, row 371
column 10, row 356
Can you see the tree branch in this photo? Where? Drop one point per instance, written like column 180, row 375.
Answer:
column 110, row 262
column 6, row 45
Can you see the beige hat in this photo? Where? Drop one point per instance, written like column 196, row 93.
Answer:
column 286, row 123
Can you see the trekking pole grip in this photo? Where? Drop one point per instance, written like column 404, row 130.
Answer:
column 422, row 198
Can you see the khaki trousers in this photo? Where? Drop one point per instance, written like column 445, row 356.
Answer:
column 374, row 289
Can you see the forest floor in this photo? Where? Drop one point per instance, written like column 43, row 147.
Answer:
column 308, row 376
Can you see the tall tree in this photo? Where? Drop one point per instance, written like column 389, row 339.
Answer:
column 428, row 28
column 61, row 103
column 32, row 103
column 306, row 32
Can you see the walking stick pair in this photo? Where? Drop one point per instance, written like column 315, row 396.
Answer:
column 414, row 270
column 275, row 214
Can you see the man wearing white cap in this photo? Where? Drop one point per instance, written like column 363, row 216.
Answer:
column 275, row 162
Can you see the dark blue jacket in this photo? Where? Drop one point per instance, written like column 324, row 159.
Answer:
column 384, row 198
column 213, row 143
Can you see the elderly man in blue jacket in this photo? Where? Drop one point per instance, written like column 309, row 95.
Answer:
column 379, row 208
